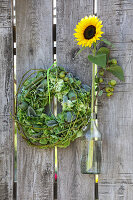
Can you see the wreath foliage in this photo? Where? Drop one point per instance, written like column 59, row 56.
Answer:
column 40, row 127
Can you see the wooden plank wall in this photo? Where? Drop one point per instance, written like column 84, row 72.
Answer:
column 6, row 100
column 35, row 177
column 34, row 50
column 116, row 114
column 72, row 185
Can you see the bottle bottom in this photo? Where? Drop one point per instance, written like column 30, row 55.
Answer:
column 90, row 172
column 91, row 157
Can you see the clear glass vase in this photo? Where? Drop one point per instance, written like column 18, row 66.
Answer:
column 91, row 148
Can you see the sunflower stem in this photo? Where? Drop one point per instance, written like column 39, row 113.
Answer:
column 93, row 84
column 91, row 147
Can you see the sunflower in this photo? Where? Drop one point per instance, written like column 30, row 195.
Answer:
column 88, row 31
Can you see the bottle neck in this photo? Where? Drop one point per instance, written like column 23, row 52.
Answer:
column 92, row 131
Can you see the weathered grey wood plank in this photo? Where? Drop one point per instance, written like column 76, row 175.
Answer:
column 116, row 114
column 35, row 174
column 72, row 185
column 6, row 101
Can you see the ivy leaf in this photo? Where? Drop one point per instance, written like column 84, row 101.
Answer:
column 43, row 141
column 37, row 128
column 43, row 116
column 51, row 123
column 19, row 98
column 23, row 106
column 65, row 99
column 117, row 71
column 64, row 144
column 86, row 87
column 42, row 85
column 31, row 112
column 72, row 95
column 70, row 117
column 99, row 60
column 39, row 110
column 107, row 42
column 71, row 80
column 79, row 134
column 70, row 75
column 37, row 135
column 103, row 50
column 100, row 93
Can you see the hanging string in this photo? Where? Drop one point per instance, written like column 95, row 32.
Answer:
column 54, row 64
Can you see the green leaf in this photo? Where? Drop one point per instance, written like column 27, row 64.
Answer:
column 107, row 42
column 103, row 50
column 100, row 93
column 70, row 75
column 19, row 98
column 54, row 136
column 72, row 95
column 86, row 87
column 43, row 116
column 39, row 110
column 99, row 60
column 51, row 123
column 23, row 106
column 69, row 117
column 37, row 135
column 43, row 141
column 65, row 99
column 42, row 85
column 71, row 80
column 79, row 134
column 31, row 112
column 57, row 130
column 37, row 128
column 117, row 71
column 64, row 144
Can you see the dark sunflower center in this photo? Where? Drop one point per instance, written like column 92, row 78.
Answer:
column 90, row 32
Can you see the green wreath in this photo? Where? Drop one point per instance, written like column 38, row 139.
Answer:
column 42, row 128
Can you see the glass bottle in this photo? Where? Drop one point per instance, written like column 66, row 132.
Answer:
column 91, row 147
